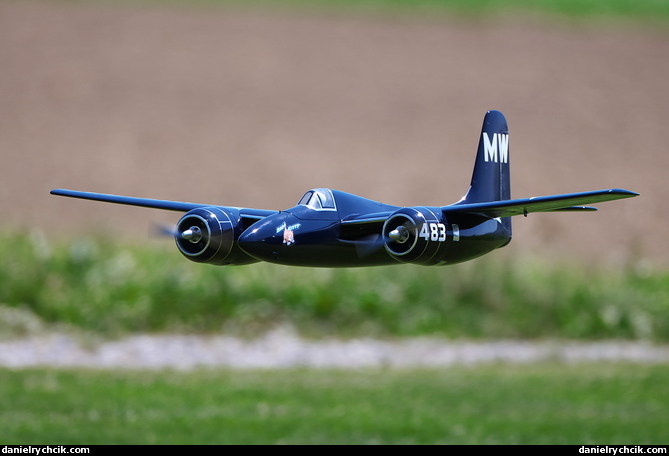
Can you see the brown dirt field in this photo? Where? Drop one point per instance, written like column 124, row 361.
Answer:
column 252, row 109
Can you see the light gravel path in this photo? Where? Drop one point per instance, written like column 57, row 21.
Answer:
column 283, row 349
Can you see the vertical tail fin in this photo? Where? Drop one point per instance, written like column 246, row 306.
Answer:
column 491, row 178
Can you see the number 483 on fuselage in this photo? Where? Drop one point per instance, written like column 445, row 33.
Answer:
column 330, row 228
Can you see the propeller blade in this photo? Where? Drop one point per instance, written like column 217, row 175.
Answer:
column 163, row 230
column 368, row 245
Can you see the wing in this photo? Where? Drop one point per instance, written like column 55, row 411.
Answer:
column 167, row 205
column 369, row 224
column 565, row 202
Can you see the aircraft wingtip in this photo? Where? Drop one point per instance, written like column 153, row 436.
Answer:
column 625, row 193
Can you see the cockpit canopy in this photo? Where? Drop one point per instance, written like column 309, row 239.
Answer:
column 319, row 199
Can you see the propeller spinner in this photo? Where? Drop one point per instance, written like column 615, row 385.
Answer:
column 193, row 234
column 399, row 234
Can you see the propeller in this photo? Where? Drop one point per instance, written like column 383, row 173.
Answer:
column 369, row 244
column 162, row 230
column 193, row 234
column 372, row 243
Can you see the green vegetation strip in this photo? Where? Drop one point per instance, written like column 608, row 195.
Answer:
column 99, row 286
column 626, row 11
column 540, row 404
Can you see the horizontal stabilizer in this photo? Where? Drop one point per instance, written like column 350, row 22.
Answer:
column 566, row 202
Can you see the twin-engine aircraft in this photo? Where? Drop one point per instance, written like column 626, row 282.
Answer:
column 330, row 228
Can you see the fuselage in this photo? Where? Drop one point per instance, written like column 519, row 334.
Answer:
column 309, row 234
column 316, row 233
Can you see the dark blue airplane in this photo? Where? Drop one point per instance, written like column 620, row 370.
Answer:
column 330, row 228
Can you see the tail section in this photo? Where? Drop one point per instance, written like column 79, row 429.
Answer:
column 491, row 179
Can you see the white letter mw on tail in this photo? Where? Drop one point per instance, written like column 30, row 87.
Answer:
column 496, row 149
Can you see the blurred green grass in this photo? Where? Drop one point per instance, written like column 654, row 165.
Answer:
column 100, row 286
column 535, row 404
column 626, row 11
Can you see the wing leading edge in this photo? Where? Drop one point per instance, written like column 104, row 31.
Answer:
column 167, row 205
column 564, row 202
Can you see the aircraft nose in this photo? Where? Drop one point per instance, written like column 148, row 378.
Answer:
column 262, row 239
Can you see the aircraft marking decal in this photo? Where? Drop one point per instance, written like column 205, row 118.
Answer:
column 283, row 226
column 435, row 232
column 288, row 232
column 496, row 149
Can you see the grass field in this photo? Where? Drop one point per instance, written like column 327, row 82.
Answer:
column 541, row 404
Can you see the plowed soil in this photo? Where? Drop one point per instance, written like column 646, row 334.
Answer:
column 253, row 108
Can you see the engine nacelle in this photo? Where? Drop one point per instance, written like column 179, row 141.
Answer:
column 209, row 235
column 416, row 235
column 422, row 235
